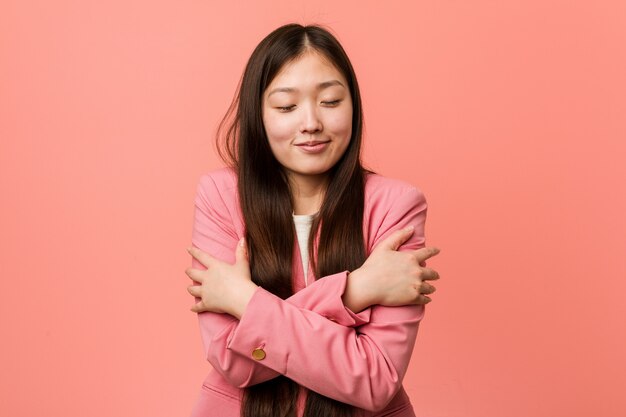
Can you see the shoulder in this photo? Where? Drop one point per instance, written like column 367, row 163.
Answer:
column 381, row 190
column 392, row 204
column 220, row 182
column 223, row 178
column 217, row 193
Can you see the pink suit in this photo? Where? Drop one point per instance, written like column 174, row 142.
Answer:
column 310, row 337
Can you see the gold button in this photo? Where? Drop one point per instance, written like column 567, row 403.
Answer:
column 258, row 354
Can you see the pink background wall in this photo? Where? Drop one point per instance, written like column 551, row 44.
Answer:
column 510, row 115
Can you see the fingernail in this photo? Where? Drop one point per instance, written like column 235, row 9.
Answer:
column 242, row 241
column 189, row 249
column 409, row 228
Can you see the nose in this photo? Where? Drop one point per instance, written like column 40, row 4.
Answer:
column 311, row 122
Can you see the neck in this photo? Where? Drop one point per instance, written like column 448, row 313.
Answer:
column 307, row 193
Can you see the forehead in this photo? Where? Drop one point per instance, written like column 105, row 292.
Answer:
column 306, row 71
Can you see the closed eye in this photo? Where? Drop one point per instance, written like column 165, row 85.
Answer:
column 331, row 103
column 286, row 108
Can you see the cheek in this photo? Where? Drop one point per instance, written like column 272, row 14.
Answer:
column 341, row 123
column 278, row 128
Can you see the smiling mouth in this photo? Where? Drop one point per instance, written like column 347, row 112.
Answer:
column 312, row 143
column 313, row 146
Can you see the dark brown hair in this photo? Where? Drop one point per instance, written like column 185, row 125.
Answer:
column 267, row 205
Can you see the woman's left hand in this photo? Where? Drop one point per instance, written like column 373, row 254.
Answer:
column 224, row 288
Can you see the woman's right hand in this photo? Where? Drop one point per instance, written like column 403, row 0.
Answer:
column 392, row 278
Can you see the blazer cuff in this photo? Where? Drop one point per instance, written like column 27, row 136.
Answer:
column 324, row 295
column 254, row 335
column 347, row 317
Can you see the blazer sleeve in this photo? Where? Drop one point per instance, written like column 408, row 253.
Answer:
column 214, row 233
column 363, row 366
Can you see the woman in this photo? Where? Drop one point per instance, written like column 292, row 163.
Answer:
column 310, row 271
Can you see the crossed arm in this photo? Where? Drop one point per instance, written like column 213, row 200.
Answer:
column 311, row 337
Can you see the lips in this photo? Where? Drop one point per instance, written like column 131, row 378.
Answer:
column 313, row 146
column 312, row 142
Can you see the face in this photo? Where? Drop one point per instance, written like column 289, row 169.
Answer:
column 307, row 113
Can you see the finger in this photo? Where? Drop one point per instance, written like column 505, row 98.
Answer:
column 425, row 253
column 194, row 274
column 429, row 274
column 202, row 257
column 396, row 239
column 197, row 308
column 426, row 288
column 241, row 252
column 194, row 290
column 423, row 299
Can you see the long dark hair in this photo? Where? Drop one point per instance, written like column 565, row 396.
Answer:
column 267, row 205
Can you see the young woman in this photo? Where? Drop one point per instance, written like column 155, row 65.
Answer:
column 309, row 271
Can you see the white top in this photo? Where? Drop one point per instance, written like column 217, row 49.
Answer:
column 303, row 224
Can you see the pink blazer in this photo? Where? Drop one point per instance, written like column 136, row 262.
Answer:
column 310, row 337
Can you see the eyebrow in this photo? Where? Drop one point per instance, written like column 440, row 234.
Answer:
column 320, row 86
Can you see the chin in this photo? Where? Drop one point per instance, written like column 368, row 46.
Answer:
column 311, row 172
